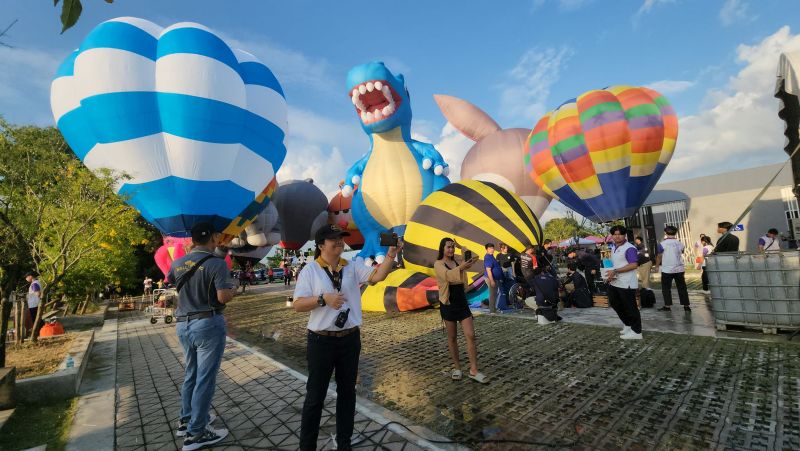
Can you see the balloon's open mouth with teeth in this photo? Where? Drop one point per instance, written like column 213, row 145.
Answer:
column 375, row 101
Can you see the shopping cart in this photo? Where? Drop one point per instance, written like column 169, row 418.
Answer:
column 163, row 305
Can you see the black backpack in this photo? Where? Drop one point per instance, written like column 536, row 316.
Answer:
column 647, row 298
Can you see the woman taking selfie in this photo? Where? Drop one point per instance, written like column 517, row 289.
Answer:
column 451, row 277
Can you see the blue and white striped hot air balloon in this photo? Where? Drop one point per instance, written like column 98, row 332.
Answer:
column 197, row 126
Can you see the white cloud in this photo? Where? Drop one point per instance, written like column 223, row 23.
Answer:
column 424, row 130
column 526, row 88
column 454, row 147
column 555, row 210
column 738, row 126
column 671, row 86
column 735, row 11
column 325, row 165
column 289, row 66
column 321, row 148
column 647, row 7
column 25, row 85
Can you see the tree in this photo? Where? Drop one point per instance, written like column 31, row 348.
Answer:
column 60, row 218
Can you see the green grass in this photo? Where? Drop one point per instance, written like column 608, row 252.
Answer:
column 36, row 424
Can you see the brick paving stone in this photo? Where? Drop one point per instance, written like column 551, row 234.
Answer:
column 257, row 401
column 572, row 385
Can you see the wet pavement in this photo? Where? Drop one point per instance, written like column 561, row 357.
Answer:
column 572, row 385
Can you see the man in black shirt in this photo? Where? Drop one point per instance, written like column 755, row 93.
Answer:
column 728, row 242
column 591, row 264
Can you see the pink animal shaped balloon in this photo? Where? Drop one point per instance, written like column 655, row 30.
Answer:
column 497, row 154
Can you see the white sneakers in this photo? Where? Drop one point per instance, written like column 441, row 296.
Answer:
column 628, row 334
column 631, row 335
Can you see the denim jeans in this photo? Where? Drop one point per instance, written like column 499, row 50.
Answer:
column 326, row 354
column 503, row 286
column 203, row 341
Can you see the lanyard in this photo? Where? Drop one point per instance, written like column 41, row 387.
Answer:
column 336, row 278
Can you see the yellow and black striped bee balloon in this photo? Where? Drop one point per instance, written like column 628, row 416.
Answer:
column 473, row 213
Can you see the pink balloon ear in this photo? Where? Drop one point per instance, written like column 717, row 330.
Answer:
column 470, row 120
column 162, row 259
column 180, row 246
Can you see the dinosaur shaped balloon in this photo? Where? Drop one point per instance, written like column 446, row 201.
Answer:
column 397, row 173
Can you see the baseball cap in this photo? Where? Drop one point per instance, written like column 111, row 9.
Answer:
column 328, row 232
column 201, row 230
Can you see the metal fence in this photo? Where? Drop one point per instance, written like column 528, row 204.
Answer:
column 755, row 290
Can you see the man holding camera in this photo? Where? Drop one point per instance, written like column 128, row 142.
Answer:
column 328, row 287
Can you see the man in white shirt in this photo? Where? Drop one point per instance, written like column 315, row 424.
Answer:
column 329, row 288
column 34, row 295
column 148, row 285
column 769, row 242
column 623, row 283
column 670, row 259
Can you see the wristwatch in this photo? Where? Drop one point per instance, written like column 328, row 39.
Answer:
column 321, row 301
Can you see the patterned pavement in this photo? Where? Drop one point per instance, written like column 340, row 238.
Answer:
column 258, row 401
column 573, row 385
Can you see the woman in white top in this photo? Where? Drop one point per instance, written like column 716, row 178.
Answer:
column 707, row 249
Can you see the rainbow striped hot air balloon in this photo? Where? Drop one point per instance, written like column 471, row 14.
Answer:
column 198, row 126
column 602, row 153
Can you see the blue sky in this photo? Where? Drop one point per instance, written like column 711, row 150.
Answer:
column 714, row 59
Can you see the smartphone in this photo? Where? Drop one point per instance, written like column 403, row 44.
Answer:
column 467, row 255
column 388, row 239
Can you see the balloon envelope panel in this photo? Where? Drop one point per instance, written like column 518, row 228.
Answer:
column 299, row 203
column 603, row 152
column 197, row 127
column 473, row 213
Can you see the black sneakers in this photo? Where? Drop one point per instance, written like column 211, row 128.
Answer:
column 209, row 437
column 184, row 426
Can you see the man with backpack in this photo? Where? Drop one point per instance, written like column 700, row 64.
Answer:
column 204, row 287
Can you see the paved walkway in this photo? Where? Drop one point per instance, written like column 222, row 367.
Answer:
column 258, row 400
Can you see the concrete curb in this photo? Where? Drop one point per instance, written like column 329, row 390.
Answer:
column 372, row 411
column 93, row 427
column 65, row 382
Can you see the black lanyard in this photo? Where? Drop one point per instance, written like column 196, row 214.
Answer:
column 336, row 278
